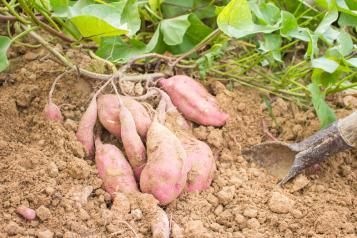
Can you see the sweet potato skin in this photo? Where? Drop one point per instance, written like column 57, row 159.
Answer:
column 52, row 112
column 114, row 169
column 193, row 100
column 134, row 147
column 85, row 133
column 165, row 174
column 160, row 226
column 108, row 113
column 26, row 212
column 201, row 163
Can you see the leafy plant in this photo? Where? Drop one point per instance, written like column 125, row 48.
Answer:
column 297, row 50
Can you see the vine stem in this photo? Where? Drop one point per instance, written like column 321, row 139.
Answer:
column 85, row 72
column 207, row 39
column 46, row 27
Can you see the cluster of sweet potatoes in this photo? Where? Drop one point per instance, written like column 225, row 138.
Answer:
column 161, row 156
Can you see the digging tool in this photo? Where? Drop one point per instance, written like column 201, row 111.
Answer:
column 285, row 161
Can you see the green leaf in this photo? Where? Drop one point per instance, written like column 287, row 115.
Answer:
column 174, row 29
column 59, row 7
column 325, row 64
column 352, row 62
column 131, row 16
column 329, row 18
column 347, row 20
column 155, row 4
column 236, row 20
column 349, row 7
column 103, row 21
column 325, row 114
column 267, row 13
column 272, row 43
column 289, row 27
column 5, row 43
column 196, row 32
column 116, row 50
column 345, row 44
column 174, row 8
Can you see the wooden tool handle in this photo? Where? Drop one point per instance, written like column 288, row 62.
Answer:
column 348, row 129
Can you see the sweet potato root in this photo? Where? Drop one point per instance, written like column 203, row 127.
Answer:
column 85, row 133
column 201, row 163
column 52, row 112
column 193, row 101
column 27, row 213
column 114, row 169
column 108, row 113
column 160, row 226
column 134, row 147
column 165, row 173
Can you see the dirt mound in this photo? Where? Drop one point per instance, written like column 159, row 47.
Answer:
column 43, row 167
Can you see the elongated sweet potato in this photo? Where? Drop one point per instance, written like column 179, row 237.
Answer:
column 165, row 173
column 108, row 113
column 114, row 169
column 134, row 147
column 52, row 112
column 85, row 133
column 160, row 226
column 201, row 163
column 193, row 101
column 173, row 118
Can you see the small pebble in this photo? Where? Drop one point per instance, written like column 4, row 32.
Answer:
column 137, row 214
column 250, row 212
column 45, row 234
column 13, row 228
column 43, row 213
column 253, row 223
column 279, row 203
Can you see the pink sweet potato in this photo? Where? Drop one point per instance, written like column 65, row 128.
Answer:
column 173, row 119
column 134, row 147
column 108, row 113
column 114, row 169
column 52, row 112
column 201, row 163
column 160, row 226
column 165, row 174
column 85, row 133
column 193, row 101
column 27, row 213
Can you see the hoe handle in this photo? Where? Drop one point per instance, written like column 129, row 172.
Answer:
column 348, row 129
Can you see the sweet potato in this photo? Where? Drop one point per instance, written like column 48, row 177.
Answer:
column 27, row 213
column 160, row 226
column 165, row 172
column 134, row 147
column 193, row 101
column 201, row 163
column 108, row 113
column 85, row 133
column 173, row 118
column 52, row 112
column 114, row 169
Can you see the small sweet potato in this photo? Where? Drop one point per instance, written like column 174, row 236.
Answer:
column 26, row 212
column 134, row 147
column 201, row 163
column 114, row 169
column 165, row 172
column 160, row 226
column 108, row 113
column 85, row 133
column 52, row 112
column 193, row 100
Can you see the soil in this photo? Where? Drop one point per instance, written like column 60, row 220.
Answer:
column 43, row 167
